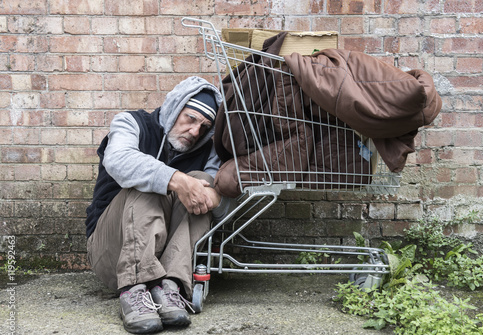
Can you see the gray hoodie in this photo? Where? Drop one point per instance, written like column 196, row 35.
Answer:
column 131, row 168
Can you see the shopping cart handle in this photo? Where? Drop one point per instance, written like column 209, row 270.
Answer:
column 191, row 22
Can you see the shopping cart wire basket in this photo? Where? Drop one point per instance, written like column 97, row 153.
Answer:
column 276, row 138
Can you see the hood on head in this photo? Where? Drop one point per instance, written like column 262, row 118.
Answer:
column 177, row 99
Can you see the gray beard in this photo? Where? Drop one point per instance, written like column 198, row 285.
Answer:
column 177, row 145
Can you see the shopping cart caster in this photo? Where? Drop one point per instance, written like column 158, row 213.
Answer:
column 200, row 290
column 198, row 298
column 364, row 280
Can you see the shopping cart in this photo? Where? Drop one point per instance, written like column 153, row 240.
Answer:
column 280, row 140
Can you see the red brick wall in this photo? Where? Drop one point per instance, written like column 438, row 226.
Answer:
column 68, row 66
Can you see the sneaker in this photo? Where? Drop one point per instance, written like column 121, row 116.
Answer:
column 172, row 311
column 139, row 312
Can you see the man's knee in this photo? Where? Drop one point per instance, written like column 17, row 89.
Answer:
column 202, row 175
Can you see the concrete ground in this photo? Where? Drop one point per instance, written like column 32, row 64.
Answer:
column 78, row 303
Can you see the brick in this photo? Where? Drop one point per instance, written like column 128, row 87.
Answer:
column 79, row 136
column 392, row 45
column 3, row 24
column 109, row 100
column 52, row 100
column 104, row 26
column 8, row 43
column 48, row 63
column 128, row 45
column 362, row 44
column 409, row 44
column 395, row 228
column 79, row 100
column 79, row 172
column 161, row 26
column 6, row 136
column 76, row 44
column 436, row 138
column 466, row 82
column 21, row 7
column 458, row 6
column 4, row 62
column 343, row 227
column 297, row 23
column 468, row 138
column 298, row 210
column 135, row 7
column 132, row 25
column 76, row 25
column 382, row 26
column 466, row 175
column 75, row 82
column 31, row 44
column 26, row 136
column 5, row 82
column 354, row 211
column 21, row 83
column 132, row 63
column 26, row 100
column 350, row 25
column 77, row 63
column 354, row 7
column 76, row 155
column 188, row 7
column 409, row 212
column 96, row 119
column 443, row 26
column 104, row 63
column 410, row 26
column 444, row 175
column 141, row 99
column 21, row 155
column 127, row 82
column 186, row 64
column 27, row 172
column 467, row 190
column 469, row 65
column 159, row 64
column 468, row 45
column 401, row 7
column 258, row 7
column 325, row 209
column 20, row 62
column 77, row 7
column 178, row 44
column 381, row 211
column 53, row 172
column 50, row 25
column 53, row 136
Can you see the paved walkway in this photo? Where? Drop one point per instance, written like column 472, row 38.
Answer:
column 77, row 303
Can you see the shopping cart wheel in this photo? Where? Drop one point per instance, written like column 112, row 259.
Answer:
column 198, row 298
column 358, row 279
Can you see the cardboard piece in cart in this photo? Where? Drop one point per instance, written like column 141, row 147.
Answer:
column 303, row 42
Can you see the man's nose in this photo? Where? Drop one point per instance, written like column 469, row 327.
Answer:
column 195, row 130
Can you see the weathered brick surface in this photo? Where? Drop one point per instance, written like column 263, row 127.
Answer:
column 68, row 66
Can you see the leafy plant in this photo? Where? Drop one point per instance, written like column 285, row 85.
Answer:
column 458, row 268
column 414, row 308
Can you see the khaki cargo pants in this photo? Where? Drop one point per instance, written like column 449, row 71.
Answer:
column 142, row 237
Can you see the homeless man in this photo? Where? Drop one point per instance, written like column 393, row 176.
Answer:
column 152, row 201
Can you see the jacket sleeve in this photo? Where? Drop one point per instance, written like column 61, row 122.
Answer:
column 127, row 164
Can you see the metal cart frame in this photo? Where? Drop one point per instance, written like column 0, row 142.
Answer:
column 262, row 188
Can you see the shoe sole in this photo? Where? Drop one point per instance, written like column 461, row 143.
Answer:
column 181, row 321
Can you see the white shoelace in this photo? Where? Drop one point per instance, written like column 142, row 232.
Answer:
column 144, row 300
column 177, row 300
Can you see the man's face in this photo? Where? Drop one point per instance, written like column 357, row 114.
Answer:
column 188, row 128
